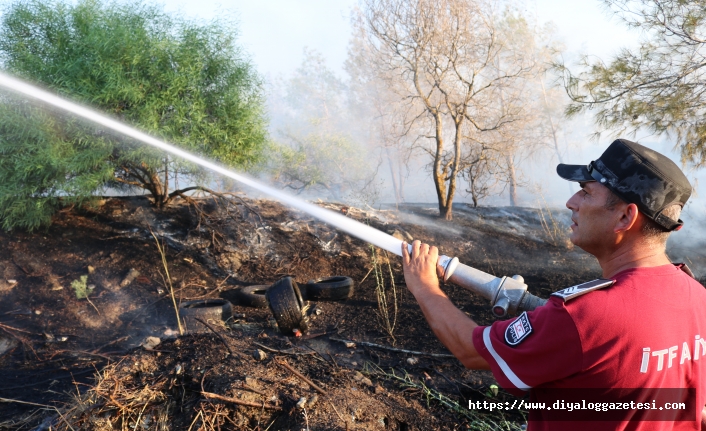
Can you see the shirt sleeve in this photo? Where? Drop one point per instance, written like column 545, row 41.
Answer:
column 536, row 347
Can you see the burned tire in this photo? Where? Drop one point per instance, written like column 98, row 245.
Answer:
column 252, row 296
column 207, row 310
column 286, row 302
column 334, row 288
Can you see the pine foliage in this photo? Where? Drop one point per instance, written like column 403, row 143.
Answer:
column 658, row 87
column 182, row 81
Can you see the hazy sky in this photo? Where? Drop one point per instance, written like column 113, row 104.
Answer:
column 274, row 32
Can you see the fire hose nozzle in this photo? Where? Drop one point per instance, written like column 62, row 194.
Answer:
column 507, row 294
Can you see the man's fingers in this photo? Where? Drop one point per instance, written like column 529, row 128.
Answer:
column 415, row 248
column 433, row 251
column 405, row 252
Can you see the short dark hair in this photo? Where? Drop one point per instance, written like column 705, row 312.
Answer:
column 650, row 228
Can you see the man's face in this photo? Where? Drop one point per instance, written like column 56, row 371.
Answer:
column 593, row 224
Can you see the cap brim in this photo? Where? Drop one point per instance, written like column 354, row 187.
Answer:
column 578, row 173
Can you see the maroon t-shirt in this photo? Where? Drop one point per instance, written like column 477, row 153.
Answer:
column 647, row 330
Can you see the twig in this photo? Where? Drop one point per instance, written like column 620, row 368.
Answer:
column 93, row 305
column 83, row 352
column 237, row 401
column 284, row 352
column 17, row 329
column 394, row 349
column 338, row 414
column 366, row 276
column 301, row 376
column 111, row 343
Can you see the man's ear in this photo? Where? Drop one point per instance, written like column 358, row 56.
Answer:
column 628, row 218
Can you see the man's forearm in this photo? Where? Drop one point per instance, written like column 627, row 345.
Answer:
column 452, row 327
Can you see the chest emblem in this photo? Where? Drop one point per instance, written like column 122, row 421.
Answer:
column 518, row 330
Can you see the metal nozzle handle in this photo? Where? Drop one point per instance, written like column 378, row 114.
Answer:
column 508, row 295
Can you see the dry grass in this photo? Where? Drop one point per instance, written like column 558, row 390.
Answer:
column 117, row 403
column 167, row 279
column 553, row 230
column 387, row 307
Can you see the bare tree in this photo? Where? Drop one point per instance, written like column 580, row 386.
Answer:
column 448, row 61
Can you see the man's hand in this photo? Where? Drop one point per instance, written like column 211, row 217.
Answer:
column 420, row 269
column 453, row 328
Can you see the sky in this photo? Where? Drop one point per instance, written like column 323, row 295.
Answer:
column 275, row 32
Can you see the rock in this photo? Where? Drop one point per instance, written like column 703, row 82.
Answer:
column 150, row 343
column 37, row 312
column 318, row 311
column 412, row 360
column 6, row 286
column 91, row 269
column 301, row 404
column 312, row 402
column 130, row 277
column 379, row 389
column 259, row 355
column 350, row 344
column 360, row 378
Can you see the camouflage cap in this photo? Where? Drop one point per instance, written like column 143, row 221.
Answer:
column 637, row 175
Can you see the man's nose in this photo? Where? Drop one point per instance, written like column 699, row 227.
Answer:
column 572, row 203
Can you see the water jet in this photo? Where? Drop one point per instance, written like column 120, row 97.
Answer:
column 508, row 295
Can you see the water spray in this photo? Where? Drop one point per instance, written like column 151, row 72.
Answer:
column 508, row 295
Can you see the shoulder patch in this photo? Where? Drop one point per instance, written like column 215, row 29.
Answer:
column 518, row 330
column 583, row 288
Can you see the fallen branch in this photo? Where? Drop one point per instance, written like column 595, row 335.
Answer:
column 301, row 376
column 284, row 352
column 237, row 401
column 394, row 349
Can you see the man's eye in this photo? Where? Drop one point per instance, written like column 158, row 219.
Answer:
column 585, row 193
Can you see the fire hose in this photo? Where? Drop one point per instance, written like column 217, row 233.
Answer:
column 508, row 295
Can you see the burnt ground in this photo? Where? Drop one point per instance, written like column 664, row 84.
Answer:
column 68, row 363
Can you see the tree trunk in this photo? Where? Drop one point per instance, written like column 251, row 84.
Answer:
column 438, row 173
column 458, row 122
column 513, row 182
